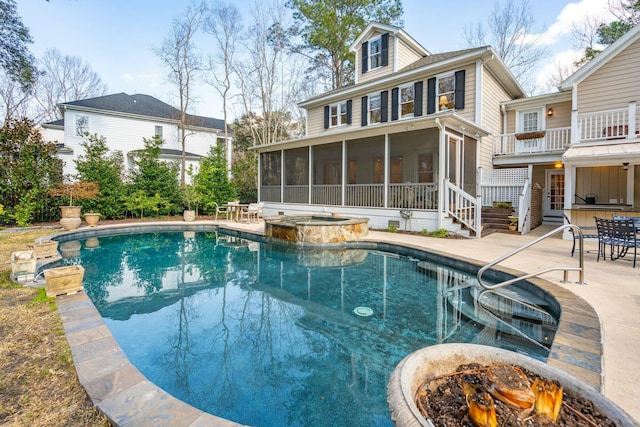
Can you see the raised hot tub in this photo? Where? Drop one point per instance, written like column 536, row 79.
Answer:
column 317, row 229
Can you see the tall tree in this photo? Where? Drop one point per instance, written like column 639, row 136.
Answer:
column 15, row 58
column 269, row 79
column 508, row 30
column 223, row 23
column 181, row 57
column 65, row 78
column 212, row 180
column 627, row 13
column 14, row 99
column 329, row 27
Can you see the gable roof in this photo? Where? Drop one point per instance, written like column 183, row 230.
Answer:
column 140, row 105
column 392, row 29
column 492, row 59
column 602, row 58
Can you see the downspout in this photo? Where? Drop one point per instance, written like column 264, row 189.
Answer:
column 441, row 171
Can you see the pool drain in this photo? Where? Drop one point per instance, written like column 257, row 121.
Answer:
column 363, row 311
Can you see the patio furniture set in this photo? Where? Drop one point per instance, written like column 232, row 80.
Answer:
column 237, row 211
column 620, row 234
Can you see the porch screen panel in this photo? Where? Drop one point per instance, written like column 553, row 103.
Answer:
column 469, row 165
column 413, row 171
column 296, row 175
column 365, row 172
column 327, row 174
column 270, row 172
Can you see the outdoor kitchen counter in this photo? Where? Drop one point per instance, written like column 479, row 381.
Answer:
column 582, row 214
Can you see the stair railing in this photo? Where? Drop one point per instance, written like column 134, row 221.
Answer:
column 566, row 270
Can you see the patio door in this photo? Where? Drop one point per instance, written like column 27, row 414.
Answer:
column 554, row 195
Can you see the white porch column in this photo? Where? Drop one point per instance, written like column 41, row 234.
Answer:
column 575, row 123
column 387, row 168
column 281, row 176
column 344, row 171
column 310, row 173
column 569, row 191
column 632, row 120
column 259, row 174
column 441, row 172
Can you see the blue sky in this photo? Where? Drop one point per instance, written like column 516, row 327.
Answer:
column 117, row 36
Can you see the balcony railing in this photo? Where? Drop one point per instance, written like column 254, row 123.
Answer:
column 621, row 123
column 550, row 140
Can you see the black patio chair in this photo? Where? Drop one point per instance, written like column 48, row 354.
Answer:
column 587, row 233
column 606, row 236
column 626, row 238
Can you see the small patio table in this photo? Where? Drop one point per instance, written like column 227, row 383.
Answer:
column 236, row 208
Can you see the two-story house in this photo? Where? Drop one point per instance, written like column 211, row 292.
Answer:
column 582, row 143
column 125, row 120
column 403, row 145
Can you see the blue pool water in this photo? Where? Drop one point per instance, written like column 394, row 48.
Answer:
column 267, row 335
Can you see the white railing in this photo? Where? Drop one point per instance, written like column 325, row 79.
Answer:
column 610, row 124
column 557, row 139
column 369, row 195
column 326, row 195
column 413, row 196
column 270, row 193
column 296, row 194
column 463, row 207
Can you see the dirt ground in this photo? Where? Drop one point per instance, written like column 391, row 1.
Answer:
column 38, row 383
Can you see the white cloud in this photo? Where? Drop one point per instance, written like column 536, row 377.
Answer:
column 560, row 63
column 572, row 15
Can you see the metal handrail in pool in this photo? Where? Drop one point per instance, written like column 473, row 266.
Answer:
column 566, row 270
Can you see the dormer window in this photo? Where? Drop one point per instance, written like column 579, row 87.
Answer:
column 375, row 53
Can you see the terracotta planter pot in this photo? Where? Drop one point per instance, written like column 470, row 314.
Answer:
column 44, row 249
column 92, row 219
column 63, row 280
column 189, row 215
column 442, row 359
column 70, row 217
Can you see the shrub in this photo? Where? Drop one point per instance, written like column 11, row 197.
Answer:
column 392, row 229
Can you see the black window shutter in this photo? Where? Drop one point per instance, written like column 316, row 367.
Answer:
column 365, row 57
column 458, row 102
column 349, row 112
column 385, row 49
column 431, row 95
column 365, row 110
column 326, row 117
column 417, row 101
column 395, row 101
column 384, row 106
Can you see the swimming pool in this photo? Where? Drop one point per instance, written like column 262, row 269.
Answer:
column 275, row 338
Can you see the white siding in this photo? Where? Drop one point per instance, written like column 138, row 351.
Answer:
column 380, row 71
column 126, row 134
column 493, row 93
column 406, row 55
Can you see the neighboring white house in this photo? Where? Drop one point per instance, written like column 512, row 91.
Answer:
column 125, row 120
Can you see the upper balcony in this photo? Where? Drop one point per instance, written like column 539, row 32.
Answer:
column 608, row 125
column 549, row 141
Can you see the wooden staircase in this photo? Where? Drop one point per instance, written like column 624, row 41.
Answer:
column 496, row 220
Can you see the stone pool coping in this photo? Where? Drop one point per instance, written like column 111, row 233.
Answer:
column 127, row 398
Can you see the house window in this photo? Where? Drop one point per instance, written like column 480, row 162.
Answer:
column 82, row 125
column 375, row 53
column 375, row 109
column 407, row 101
column 158, row 132
column 446, row 92
column 529, row 121
column 338, row 114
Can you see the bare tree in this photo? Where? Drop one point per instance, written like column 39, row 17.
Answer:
column 14, row 98
column 181, row 57
column 223, row 23
column 269, row 80
column 508, row 31
column 65, row 78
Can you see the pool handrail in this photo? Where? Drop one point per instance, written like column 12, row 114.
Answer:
column 566, row 270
